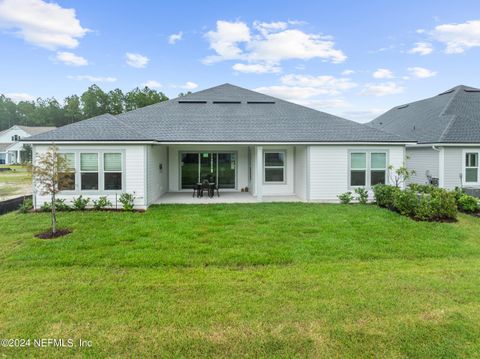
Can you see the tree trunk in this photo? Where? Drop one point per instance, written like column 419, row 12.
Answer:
column 54, row 215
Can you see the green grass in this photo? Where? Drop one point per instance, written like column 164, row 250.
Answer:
column 16, row 182
column 262, row 280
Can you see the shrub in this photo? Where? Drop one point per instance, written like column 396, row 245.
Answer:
column 80, row 203
column 46, row 207
column 458, row 193
column 101, row 203
column 345, row 198
column 385, row 195
column 60, row 205
column 127, row 199
column 362, row 195
column 468, row 203
column 405, row 202
column 422, row 188
column 26, row 205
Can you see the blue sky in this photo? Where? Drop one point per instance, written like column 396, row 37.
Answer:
column 351, row 58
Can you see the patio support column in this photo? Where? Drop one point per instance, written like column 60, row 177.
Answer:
column 259, row 173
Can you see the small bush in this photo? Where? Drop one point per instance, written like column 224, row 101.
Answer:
column 60, row 205
column 362, row 195
column 468, row 203
column 26, row 205
column 422, row 188
column 406, row 202
column 80, row 203
column 458, row 193
column 385, row 195
column 46, row 207
column 101, row 203
column 345, row 198
column 127, row 199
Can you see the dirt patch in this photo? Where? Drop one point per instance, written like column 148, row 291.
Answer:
column 49, row 235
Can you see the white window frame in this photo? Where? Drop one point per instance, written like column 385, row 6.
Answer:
column 284, row 167
column 74, row 170
column 368, row 168
column 98, row 172
column 385, row 169
column 464, row 166
column 105, row 172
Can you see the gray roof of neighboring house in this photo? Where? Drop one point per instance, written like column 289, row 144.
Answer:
column 224, row 113
column 450, row 117
column 4, row 146
column 31, row 130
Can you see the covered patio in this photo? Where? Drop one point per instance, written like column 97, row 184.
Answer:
column 225, row 197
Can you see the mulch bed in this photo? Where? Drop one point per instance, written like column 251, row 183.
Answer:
column 49, row 235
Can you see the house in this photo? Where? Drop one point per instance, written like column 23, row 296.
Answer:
column 10, row 145
column 446, row 128
column 244, row 140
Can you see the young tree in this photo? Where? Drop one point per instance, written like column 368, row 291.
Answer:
column 400, row 175
column 51, row 172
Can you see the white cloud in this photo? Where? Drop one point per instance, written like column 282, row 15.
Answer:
column 458, row 37
column 420, row 31
column 363, row 115
column 310, row 90
column 152, row 84
column 256, row 68
column 383, row 74
column 71, row 59
column 189, row 85
column 268, row 44
column 382, row 89
column 92, row 78
column 421, row 72
column 421, row 48
column 322, row 84
column 225, row 40
column 42, row 23
column 347, row 72
column 174, row 38
column 19, row 96
column 136, row 60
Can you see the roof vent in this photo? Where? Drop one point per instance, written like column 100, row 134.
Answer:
column 227, row 101
column 185, row 101
column 444, row 93
column 471, row 90
column 260, row 102
column 403, row 106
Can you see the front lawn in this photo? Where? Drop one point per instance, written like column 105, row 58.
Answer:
column 14, row 183
column 255, row 280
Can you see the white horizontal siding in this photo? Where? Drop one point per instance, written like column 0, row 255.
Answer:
column 157, row 178
column 454, row 162
column 301, row 172
column 134, row 164
column 421, row 160
column 329, row 168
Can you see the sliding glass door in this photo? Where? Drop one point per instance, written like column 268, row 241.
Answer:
column 199, row 166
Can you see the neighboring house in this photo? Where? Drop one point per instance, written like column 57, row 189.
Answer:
column 243, row 139
column 447, row 130
column 11, row 148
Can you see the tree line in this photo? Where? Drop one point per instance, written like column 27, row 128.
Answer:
column 93, row 102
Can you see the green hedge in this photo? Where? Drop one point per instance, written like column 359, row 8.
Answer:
column 424, row 203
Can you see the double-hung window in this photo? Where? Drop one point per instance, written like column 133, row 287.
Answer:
column 368, row 168
column 358, row 169
column 471, row 167
column 112, row 171
column 89, row 171
column 378, row 168
column 67, row 180
column 274, row 166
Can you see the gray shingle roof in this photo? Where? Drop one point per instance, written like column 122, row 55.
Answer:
column 34, row 130
column 450, row 117
column 205, row 116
